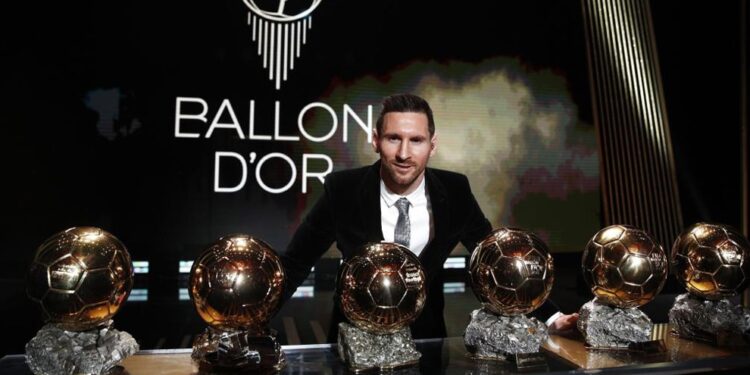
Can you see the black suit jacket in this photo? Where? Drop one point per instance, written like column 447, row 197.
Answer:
column 348, row 213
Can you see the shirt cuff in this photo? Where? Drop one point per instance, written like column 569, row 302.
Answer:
column 553, row 318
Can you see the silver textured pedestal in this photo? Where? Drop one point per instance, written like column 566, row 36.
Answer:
column 55, row 351
column 230, row 351
column 607, row 327
column 491, row 336
column 719, row 322
column 362, row 350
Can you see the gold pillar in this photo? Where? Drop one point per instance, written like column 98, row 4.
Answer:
column 637, row 170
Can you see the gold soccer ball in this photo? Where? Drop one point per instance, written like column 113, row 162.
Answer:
column 237, row 283
column 80, row 277
column 624, row 266
column 711, row 260
column 511, row 271
column 382, row 289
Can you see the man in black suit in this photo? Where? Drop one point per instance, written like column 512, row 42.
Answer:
column 398, row 199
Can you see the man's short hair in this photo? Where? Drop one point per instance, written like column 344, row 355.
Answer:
column 405, row 103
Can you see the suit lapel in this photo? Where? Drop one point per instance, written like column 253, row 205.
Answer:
column 440, row 216
column 370, row 203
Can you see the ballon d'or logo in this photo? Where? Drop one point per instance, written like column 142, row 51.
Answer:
column 280, row 33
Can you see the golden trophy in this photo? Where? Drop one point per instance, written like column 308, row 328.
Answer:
column 382, row 292
column 712, row 262
column 512, row 273
column 625, row 268
column 236, row 286
column 79, row 278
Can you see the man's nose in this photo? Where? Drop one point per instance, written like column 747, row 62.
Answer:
column 403, row 150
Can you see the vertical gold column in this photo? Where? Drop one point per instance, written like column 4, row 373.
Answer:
column 637, row 171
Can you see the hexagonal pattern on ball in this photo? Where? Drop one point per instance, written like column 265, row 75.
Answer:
column 237, row 283
column 382, row 289
column 80, row 277
column 511, row 271
column 711, row 260
column 624, row 266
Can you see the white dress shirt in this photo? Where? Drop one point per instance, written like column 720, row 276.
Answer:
column 420, row 216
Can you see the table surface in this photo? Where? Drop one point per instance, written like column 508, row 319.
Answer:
column 446, row 356
column 679, row 352
column 449, row 356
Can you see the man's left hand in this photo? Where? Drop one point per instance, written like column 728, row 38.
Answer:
column 563, row 324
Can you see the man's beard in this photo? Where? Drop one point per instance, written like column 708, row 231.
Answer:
column 402, row 180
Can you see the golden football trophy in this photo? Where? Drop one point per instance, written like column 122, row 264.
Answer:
column 382, row 292
column 625, row 268
column 236, row 286
column 712, row 261
column 511, row 272
column 79, row 278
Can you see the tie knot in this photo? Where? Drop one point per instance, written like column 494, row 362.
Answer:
column 403, row 205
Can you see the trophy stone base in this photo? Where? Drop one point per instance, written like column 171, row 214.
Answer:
column 721, row 322
column 97, row 351
column 612, row 328
column 363, row 351
column 498, row 337
column 219, row 351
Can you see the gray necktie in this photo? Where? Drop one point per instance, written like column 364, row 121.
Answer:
column 403, row 227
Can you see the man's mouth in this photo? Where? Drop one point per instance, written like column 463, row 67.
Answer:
column 402, row 167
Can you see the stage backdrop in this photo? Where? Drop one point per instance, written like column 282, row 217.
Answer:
column 171, row 124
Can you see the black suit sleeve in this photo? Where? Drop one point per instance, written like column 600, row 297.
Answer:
column 311, row 240
column 476, row 226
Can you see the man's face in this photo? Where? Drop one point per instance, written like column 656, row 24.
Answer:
column 404, row 146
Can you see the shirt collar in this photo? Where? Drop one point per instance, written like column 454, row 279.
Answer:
column 415, row 197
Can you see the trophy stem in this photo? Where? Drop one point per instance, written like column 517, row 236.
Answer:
column 55, row 351
column 231, row 351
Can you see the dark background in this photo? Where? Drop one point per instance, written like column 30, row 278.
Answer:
column 59, row 172
column 67, row 174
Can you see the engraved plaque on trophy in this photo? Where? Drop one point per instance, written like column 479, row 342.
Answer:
column 625, row 268
column 711, row 261
column 80, row 278
column 236, row 286
column 512, row 273
column 382, row 292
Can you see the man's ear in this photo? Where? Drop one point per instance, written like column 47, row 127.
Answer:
column 375, row 143
column 433, row 145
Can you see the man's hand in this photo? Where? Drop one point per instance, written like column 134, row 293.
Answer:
column 563, row 324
